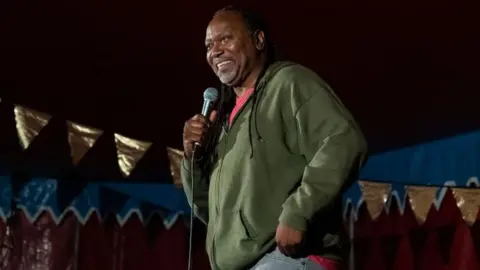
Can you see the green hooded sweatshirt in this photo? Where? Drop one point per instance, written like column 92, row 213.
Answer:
column 304, row 149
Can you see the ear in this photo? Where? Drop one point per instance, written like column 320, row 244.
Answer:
column 260, row 40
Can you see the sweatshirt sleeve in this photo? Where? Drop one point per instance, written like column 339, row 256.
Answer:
column 325, row 134
column 200, row 196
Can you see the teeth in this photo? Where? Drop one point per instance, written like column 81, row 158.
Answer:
column 223, row 63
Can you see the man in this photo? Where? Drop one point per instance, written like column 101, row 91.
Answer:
column 274, row 156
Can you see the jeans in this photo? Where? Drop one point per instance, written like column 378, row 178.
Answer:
column 275, row 260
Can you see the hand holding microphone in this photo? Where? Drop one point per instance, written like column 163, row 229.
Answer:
column 196, row 127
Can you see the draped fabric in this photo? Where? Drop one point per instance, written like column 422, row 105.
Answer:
column 422, row 210
column 405, row 220
column 398, row 241
column 391, row 241
column 96, row 245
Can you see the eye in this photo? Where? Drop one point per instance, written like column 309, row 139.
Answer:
column 208, row 46
column 226, row 39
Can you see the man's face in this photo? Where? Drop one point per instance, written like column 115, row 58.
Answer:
column 230, row 50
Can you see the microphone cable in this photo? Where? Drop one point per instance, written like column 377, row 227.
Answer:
column 192, row 216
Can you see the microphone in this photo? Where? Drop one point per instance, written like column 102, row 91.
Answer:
column 210, row 96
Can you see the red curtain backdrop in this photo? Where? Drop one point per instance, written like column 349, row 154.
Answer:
column 399, row 242
column 98, row 245
column 393, row 241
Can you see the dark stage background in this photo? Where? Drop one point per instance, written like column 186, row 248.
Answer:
column 407, row 69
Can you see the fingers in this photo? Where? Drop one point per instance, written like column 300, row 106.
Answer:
column 190, row 138
column 213, row 116
column 286, row 249
column 288, row 240
column 193, row 135
column 195, row 129
column 282, row 249
column 198, row 122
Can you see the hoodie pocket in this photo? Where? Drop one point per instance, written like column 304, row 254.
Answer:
column 234, row 233
column 248, row 229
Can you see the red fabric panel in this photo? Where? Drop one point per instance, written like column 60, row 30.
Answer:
column 136, row 252
column 429, row 257
column 171, row 244
column 93, row 251
column 42, row 245
column 364, row 224
column 404, row 259
column 476, row 235
column 447, row 214
column 462, row 254
column 444, row 242
column 375, row 259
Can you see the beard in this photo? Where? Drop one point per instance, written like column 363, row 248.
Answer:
column 228, row 76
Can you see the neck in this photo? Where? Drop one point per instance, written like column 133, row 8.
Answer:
column 250, row 80
column 239, row 90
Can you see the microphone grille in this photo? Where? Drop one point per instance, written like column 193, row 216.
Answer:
column 210, row 94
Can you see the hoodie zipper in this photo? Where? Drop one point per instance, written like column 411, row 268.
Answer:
column 227, row 129
column 217, row 205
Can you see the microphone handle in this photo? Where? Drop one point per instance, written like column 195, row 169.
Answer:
column 205, row 111
column 206, row 107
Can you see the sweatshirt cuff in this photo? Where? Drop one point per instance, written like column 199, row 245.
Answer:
column 186, row 164
column 293, row 221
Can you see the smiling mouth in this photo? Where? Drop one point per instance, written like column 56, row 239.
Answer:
column 224, row 63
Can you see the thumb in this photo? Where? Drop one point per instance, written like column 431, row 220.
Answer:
column 213, row 116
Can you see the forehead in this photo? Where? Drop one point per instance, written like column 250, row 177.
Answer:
column 225, row 21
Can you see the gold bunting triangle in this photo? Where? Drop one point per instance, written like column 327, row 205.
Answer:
column 375, row 195
column 81, row 138
column 175, row 157
column 421, row 200
column 129, row 152
column 29, row 123
column 468, row 201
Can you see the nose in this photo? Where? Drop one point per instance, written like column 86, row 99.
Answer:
column 216, row 50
